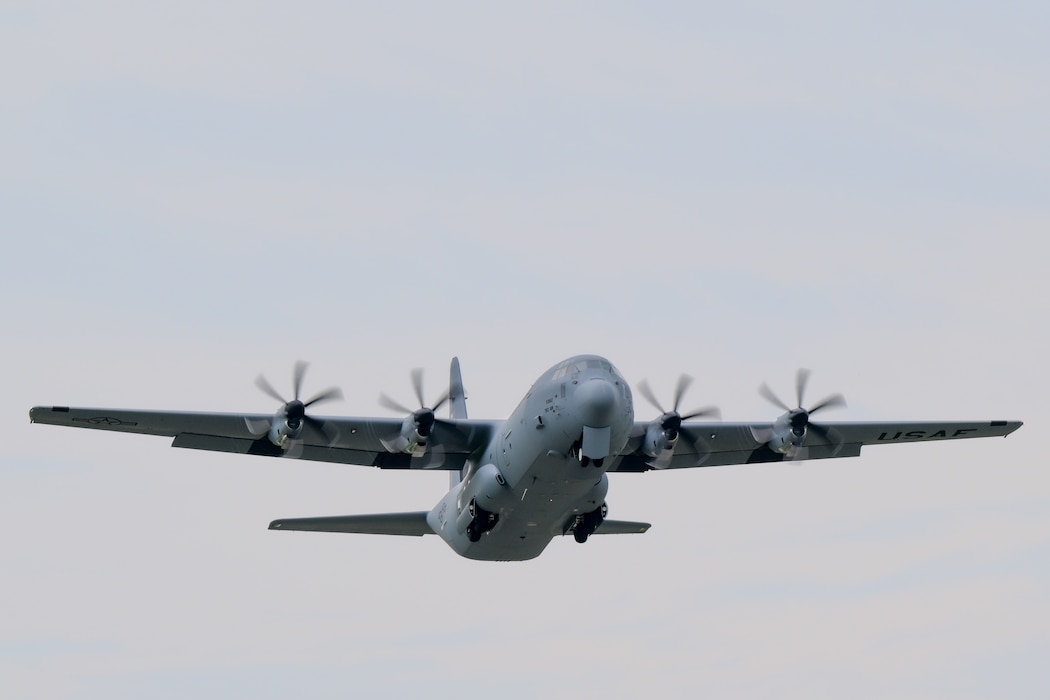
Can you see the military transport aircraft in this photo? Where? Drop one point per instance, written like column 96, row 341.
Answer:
column 517, row 483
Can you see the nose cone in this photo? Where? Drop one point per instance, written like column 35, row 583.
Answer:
column 596, row 402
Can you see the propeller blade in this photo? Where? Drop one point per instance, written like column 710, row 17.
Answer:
column 417, row 388
column 268, row 389
column 645, row 390
column 330, row 394
column 772, row 398
column 828, row 434
column 701, row 412
column 387, row 402
column 257, row 428
column 703, row 450
column 800, row 384
column 294, row 450
column 329, row 431
column 679, row 390
column 441, row 401
column 417, row 384
column 833, row 401
column 297, row 378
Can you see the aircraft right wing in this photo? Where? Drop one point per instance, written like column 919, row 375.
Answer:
column 721, row 444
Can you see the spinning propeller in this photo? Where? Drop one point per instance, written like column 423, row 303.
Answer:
column 798, row 418
column 670, row 422
column 424, row 416
column 293, row 412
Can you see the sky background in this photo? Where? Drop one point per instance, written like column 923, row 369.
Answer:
column 194, row 193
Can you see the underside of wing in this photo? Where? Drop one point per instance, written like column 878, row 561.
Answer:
column 411, row 524
column 716, row 444
column 363, row 441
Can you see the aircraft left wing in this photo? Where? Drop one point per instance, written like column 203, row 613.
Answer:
column 363, row 441
column 721, row 444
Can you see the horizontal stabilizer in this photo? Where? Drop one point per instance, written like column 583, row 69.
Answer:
column 621, row 527
column 412, row 524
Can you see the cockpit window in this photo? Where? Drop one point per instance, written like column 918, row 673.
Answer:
column 571, row 367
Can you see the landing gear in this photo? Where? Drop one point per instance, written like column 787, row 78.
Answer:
column 481, row 521
column 587, row 523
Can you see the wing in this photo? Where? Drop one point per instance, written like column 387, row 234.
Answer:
column 745, row 443
column 344, row 440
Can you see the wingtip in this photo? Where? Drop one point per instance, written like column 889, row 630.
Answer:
column 36, row 413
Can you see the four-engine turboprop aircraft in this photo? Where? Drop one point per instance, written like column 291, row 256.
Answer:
column 517, row 483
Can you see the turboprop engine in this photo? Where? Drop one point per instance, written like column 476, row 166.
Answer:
column 790, row 430
column 418, row 424
column 286, row 426
column 661, row 435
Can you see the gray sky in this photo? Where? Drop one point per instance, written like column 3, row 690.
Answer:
column 193, row 194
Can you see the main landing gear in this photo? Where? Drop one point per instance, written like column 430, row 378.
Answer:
column 587, row 523
column 481, row 521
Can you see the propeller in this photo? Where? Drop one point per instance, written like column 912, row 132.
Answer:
column 295, row 409
column 424, row 416
column 799, row 417
column 671, row 421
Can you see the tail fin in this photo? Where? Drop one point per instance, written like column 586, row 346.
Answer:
column 457, row 406
column 457, row 398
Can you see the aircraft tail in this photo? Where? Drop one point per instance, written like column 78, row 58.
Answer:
column 412, row 524
column 457, row 407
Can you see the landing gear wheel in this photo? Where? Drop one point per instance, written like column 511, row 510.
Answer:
column 580, row 534
column 473, row 533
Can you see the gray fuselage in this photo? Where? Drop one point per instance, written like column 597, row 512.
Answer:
column 546, row 467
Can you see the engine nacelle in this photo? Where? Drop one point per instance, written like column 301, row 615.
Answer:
column 283, row 429
column 658, row 441
column 412, row 439
column 786, row 439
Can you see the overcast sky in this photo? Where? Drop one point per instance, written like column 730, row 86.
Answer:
column 193, row 193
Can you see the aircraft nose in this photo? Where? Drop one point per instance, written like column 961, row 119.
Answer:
column 596, row 401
